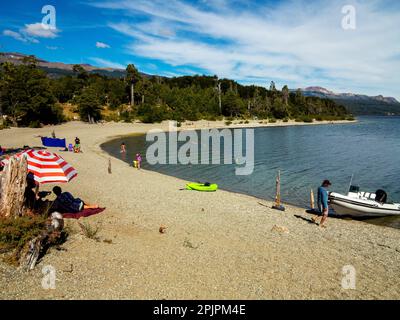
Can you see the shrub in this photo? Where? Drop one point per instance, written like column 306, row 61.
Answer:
column 15, row 233
column 35, row 124
column 228, row 123
column 89, row 231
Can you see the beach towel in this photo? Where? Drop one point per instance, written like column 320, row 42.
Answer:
column 51, row 142
column 83, row 213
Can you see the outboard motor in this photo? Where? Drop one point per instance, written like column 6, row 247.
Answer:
column 381, row 196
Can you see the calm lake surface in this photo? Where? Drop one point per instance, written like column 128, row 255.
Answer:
column 306, row 155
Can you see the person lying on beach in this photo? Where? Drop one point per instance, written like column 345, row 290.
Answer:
column 323, row 203
column 66, row 203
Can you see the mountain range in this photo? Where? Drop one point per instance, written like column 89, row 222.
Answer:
column 59, row 69
column 357, row 104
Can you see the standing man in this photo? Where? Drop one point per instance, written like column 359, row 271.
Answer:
column 323, row 202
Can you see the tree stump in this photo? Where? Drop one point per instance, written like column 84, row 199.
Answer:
column 12, row 188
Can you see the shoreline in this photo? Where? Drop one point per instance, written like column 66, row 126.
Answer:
column 219, row 125
column 222, row 245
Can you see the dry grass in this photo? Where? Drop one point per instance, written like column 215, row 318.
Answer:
column 89, row 231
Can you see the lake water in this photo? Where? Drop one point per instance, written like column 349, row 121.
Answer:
column 369, row 150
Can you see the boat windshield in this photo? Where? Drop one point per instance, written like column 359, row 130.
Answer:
column 354, row 189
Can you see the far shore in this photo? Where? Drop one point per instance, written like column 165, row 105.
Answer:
column 218, row 245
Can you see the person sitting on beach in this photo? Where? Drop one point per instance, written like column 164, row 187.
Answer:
column 33, row 199
column 77, row 146
column 323, row 203
column 66, row 203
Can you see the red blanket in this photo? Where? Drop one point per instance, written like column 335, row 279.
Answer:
column 83, row 213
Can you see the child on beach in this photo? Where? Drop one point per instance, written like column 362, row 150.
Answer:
column 123, row 147
column 138, row 160
column 77, row 147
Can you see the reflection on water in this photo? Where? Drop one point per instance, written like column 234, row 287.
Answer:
column 306, row 155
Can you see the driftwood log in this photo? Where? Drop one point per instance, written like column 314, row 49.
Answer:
column 40, row 244
column 12, row 188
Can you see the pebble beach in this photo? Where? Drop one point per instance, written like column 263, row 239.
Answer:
column 218, row 245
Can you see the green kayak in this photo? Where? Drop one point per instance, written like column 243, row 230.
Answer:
column 202, row 186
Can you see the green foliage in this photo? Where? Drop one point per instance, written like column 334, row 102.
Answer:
column 307, row 119
column 26, row 95
column 89, row 104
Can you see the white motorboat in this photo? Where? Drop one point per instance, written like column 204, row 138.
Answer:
column 363, row 204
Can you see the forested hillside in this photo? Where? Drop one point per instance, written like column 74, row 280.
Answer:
column 28, row 97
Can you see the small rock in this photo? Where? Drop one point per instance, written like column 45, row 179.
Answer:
column 280, row 229
column 162, row 229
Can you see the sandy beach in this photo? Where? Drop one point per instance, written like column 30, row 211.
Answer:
column 218, row 245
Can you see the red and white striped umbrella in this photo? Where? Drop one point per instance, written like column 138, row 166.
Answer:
column 48, row 167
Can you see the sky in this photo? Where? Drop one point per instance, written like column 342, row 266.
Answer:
column 345, row 46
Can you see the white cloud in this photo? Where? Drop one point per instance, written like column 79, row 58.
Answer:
column 295, row 42
column 20, row 36
column 40, row 31
column 102, row 45
column 15, row 35
column 107, row 64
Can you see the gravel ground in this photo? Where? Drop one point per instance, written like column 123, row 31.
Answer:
column 218, row 245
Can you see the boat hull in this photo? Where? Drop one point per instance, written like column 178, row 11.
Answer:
column 348, row 206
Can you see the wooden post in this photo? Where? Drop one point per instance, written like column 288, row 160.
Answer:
column 312, row 202
column 12, row 188
column 109, row 166
column 278, row 190
column 278, row 205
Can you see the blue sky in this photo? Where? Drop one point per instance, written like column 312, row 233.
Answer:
column 299, row 43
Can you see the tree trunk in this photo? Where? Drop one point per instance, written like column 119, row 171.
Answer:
column 132, row 96
column 12, row 188
column 219, row 98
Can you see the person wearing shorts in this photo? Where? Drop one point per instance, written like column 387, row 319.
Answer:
column 66, row 203
column 323, row 202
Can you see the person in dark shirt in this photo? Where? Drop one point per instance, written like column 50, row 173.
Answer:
column 66, row 203
column 34, row 199
column 77, row 146
column 323, row 202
